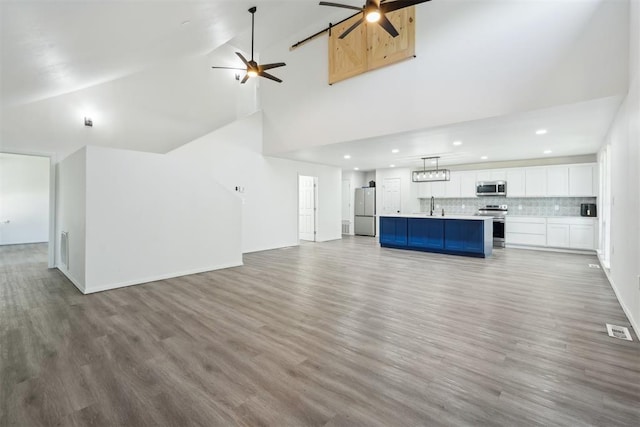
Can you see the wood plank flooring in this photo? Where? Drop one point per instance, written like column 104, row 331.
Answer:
column 331, row 334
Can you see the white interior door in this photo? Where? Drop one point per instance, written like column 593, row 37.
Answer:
column 391, row 196
column 307, row 208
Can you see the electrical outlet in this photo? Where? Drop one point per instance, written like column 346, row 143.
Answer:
column 557, row 207
column 519, row 207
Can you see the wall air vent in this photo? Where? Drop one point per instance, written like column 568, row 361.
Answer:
column 64, row 249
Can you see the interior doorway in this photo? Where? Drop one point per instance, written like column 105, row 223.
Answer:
column 27, row 185
column 307, row 207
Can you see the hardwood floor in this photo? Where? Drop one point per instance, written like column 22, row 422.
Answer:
column 338, row 333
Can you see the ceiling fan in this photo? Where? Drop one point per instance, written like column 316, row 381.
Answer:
column 374, row 11
column 254, row 69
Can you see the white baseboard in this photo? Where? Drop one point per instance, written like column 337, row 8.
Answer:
column 72, row 279
column 634, row 324
column 549, row 249
column 92, row 290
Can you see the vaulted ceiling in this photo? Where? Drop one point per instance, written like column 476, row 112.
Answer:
column 142, row 70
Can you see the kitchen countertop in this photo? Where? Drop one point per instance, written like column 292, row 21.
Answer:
column 552, row 217
column 453, row 216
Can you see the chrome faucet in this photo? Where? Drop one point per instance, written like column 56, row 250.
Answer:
column 433, row 205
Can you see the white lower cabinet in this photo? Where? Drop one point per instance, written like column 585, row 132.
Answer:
column 556, row 232
column 558, row 235
column 526, row 231
column 572, row 233
column 582, row 236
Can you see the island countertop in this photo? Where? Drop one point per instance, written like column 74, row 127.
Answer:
column 453, row 216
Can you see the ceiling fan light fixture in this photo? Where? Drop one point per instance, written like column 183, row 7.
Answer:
column 253, row 68
column 373, row 16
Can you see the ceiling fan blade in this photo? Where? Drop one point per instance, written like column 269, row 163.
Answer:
column 399, row 4
column 344, row 6
column 243, row 59
column 244, row 80
column 388, row 26
column 270, row 66
column 351, row 28
column 230, row 68
column 269, row 76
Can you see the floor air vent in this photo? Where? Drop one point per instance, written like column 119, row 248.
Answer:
column 619, row 332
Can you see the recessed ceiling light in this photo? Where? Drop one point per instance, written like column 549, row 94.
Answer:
column 356, row 169
column 392, row 166
column 547, row 152
column 541, row 131
column 395, row 150
column 484, row 158
column 456, row 143
column 346, row 156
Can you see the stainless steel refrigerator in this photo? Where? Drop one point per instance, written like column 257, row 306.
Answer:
column 365, row 212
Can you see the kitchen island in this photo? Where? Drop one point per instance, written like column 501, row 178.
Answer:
column 450, row 234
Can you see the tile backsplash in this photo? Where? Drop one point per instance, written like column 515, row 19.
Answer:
column 529, row 206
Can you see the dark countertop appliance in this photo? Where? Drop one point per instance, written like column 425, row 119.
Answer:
column 498, row 212
column 491, row 188
column 588, row 209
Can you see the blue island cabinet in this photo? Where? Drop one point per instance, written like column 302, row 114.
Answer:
column 447, row 235
column 464, row 236
column 425, row 234
column 393, row 231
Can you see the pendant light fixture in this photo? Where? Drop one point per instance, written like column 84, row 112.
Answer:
column 430, row 175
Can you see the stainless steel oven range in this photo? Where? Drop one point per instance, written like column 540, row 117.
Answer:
column 498, row 212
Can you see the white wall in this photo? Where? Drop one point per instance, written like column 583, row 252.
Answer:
column 24, row 199
column 152, row 216
column 624, row 140
column 233, row 154
column 581, row 55
column 71, row 204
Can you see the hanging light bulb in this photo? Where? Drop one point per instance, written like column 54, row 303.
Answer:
column 372, row 11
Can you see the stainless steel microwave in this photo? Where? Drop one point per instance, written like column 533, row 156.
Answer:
column 491, row 188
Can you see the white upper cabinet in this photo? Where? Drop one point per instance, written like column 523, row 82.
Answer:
column 424, row 189
column 498, row 175
column 438, row 189
column 483, row 175
column 557, row 181
column 515, row 183
column 535, row 182
column 452, row 187
column 582, row 181
column 468, row 183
